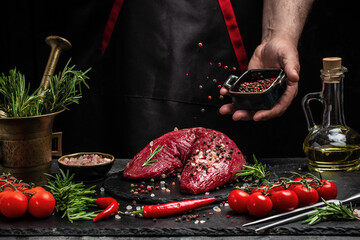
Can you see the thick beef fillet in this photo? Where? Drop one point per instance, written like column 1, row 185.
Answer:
column 214, row 160
column 176, row 146
column 207, row 158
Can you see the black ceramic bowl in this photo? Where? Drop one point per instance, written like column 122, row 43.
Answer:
column 257, row 100
column 87, row 172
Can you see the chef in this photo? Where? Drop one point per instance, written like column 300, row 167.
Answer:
column 169, row 59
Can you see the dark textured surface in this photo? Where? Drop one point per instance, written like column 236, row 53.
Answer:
column 218, row 224
column 123, row 190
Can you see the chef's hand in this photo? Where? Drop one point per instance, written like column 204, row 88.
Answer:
column 277, row 53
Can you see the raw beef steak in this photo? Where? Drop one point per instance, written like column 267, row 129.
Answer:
column 207, row 159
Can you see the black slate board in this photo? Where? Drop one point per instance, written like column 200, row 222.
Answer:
column 119, row 187
column 219, row 226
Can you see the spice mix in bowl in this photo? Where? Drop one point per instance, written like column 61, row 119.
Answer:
column 87, row 166
column 257, row 88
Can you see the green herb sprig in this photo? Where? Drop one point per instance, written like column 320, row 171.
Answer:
column 16, row 101
column 332, row 211
column 64, row 89
column 72, row 199
column 256, row 172
column 151, row 158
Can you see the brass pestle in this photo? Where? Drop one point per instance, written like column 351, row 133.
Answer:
column 57, row 44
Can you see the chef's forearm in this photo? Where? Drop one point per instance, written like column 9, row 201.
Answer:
column 284, row 19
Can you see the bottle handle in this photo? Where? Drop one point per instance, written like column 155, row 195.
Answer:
column 306, row 107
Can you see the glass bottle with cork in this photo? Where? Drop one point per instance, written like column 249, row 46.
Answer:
column 331, row 145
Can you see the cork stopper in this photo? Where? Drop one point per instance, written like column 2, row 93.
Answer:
column 330, row 63
column 332, row 69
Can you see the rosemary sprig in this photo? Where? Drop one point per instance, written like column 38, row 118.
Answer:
column 151, row 159
column 256, row 172
column 16, row 100
column 64, row 89
column 71, row 198
column 332, row 211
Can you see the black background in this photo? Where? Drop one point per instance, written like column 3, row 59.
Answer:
column 96, row 123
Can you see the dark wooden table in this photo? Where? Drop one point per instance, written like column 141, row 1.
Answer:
column 225, row 223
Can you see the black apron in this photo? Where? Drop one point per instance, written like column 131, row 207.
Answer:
column 164, row 66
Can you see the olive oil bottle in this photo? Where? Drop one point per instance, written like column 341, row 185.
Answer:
column 331, row 145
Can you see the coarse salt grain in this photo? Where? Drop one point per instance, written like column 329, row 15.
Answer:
column 86, row 160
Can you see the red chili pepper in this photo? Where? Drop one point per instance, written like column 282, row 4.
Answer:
column 173, row 208
column 111, row 207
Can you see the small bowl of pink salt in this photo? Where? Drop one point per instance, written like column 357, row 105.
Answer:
column 87, row 166
column 257, row 88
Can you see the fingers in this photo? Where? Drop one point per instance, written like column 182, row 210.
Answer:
column 281, row 106
column 237, row 115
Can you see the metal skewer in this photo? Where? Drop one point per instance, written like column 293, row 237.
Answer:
column 298, row 210
column 280, row 215
column 286, row 220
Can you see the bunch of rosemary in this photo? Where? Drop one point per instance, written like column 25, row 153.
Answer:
column 72, row 199
column 64, row 89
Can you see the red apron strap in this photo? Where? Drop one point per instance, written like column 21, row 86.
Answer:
column 234, row 33
column 110, row 24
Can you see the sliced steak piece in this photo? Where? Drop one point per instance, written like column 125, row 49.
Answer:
column 214, row 160
column 176, row 146
column 207, row 159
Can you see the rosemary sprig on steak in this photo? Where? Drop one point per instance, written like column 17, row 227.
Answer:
column 151, row 158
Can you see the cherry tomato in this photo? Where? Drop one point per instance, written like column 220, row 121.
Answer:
column 42, row 204
column 13, row 204
column 238, row 200
column 4, row 191
column 327, row 191
column 307, row 196
column 32, row 191
column 262, row 189
column 284, row 200
column 259, row 205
